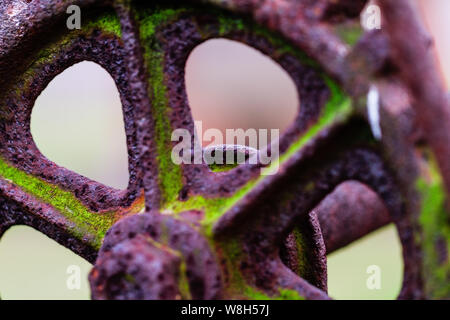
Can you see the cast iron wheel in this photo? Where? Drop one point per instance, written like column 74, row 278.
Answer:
column 251, row 231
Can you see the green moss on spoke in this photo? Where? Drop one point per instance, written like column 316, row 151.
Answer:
column 170, row 177
column 169, row 174
column 436, row 227
column 211, row 206
column 301, row 251
column 237, row 286
column 85, row 222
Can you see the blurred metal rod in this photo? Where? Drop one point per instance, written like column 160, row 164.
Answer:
column 416, row 60
column 350, row 212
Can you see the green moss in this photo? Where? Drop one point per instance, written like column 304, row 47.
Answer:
column 85, row 221
column 209, row 205
column 227, row 24
column 284, row 294
column 288, row 294
column 236, row 285
column 183, row 281
column 255, row 294
column 150, row 20
column 231, row 252
column 170, row 177
column 169, row 174
column 107, row 22
column 301, row 249
column 435, row 226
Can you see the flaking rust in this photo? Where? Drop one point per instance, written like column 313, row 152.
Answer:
column 212, row 232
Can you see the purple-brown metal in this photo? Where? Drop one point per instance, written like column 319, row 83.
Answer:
column 419, row 71
column 246, row 231
column 349, row 213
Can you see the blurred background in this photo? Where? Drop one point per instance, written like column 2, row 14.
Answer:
column 229, row 85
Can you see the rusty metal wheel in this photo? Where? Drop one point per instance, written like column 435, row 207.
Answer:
column 239, row 232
